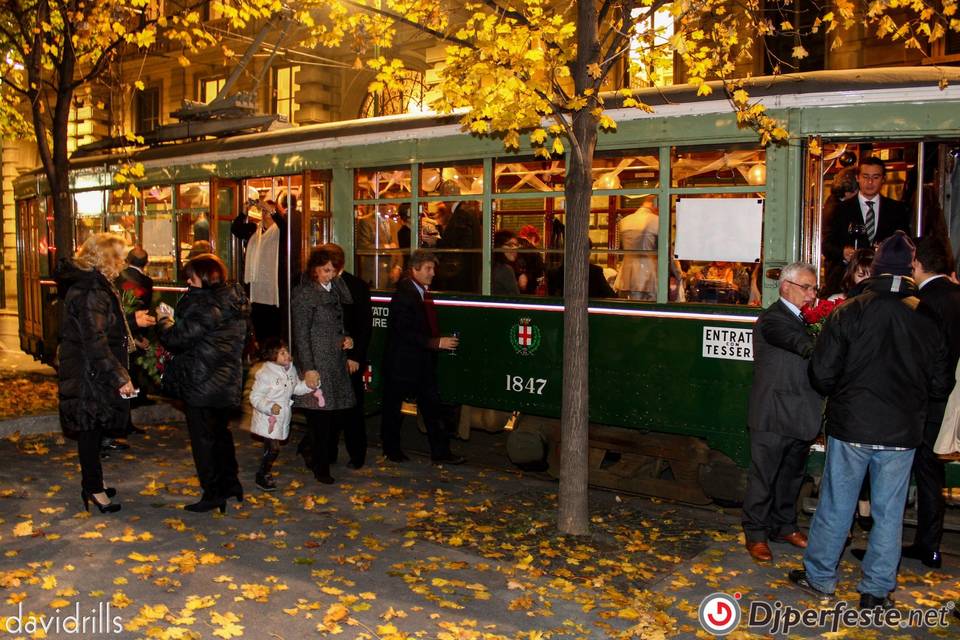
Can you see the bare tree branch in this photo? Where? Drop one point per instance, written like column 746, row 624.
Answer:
column 393, row 16
column 509, row 13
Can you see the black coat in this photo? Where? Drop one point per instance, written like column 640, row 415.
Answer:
column 941, row 298
column 358, row 317
column 893, row 216
column 879, row 358
column 93, row 351
column 207, row 337
column 410, row 354
column 781, row 398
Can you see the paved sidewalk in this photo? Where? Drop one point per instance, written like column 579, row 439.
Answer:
column 390, row 551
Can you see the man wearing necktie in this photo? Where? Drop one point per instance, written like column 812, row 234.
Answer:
column 866, row 220
column 783, row 416
column 410, row 362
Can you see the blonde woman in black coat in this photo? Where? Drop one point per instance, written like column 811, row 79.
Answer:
column 94, row 358
column 207, row 335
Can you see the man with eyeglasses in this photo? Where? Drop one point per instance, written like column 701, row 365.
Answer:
column 783, row 417
column 866, row 220
column 879, row 358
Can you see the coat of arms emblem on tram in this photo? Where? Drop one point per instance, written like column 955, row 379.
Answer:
column 525, row 337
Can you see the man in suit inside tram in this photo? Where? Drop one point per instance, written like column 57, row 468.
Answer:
column 783, row 416
column 410, row 362
column 866, row 220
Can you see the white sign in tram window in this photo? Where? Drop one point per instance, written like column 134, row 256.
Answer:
column 719, row 229
column 727, row 343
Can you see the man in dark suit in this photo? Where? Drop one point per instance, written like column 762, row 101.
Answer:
column 134, row 280
column 868, row 219
column 410, row 362
column 137, row 282
column 784, row 415
column 933, row 266
column 358, row 322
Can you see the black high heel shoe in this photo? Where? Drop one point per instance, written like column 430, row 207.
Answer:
column 110, row 507
column 207, row 505
column 236, row 493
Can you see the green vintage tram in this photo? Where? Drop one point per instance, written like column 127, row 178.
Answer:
column 670, row 354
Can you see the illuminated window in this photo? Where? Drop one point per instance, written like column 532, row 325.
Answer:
column 146, row 110
column 409, row 98
column 285, row 90
column 208, row 88
column 651, row 54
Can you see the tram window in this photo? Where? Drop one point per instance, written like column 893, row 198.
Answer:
column 379, row 260
column 524, row 240
column 622, row 169
column 634, row 232
column 157, row 235
column 459, row 226
column 321, row 222
column 193, row 223
column 519, row 175
column 718, row 166
column 89, row 207
column 371, row 184
column 450, row 180
column 709, row 274
column 122, row 215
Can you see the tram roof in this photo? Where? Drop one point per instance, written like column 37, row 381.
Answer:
column 842, row 82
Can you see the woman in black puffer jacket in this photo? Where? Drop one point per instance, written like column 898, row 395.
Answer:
column 207, row 336
column 95, row 343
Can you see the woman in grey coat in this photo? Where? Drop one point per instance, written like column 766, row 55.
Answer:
column 320, row 346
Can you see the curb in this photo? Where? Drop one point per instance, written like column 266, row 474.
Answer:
column 50, row 422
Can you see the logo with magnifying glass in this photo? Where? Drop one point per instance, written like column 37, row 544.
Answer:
column 719, row 613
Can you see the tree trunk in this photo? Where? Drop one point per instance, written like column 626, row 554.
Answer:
column 574, row 515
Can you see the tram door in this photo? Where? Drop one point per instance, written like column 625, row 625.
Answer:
column 225, row 206
column 923, row 174
column 316, row 222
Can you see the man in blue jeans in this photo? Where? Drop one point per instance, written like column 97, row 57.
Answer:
column 878, row 360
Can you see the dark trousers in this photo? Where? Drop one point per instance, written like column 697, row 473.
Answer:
column 213, row 450
column 323, row 430
column 355, row 424
column 773, row 483
column 930, row 473
column 428, row 404
column 88, row 448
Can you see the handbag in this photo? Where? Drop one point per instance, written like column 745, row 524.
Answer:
column 948, row 441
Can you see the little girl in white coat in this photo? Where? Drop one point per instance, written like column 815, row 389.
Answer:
column 272, row 397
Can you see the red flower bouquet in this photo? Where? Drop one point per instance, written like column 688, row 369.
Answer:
column 815, row 315
column 154, row 360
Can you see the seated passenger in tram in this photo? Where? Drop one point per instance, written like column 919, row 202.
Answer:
column 597, row 285
column 533, row 265
column 506, row 273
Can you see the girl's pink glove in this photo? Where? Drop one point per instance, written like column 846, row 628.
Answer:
column 272, row 421
column 321, row 402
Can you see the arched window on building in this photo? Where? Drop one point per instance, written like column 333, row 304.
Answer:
column 410, row 98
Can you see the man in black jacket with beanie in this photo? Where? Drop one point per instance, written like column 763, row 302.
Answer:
column 879, row 359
